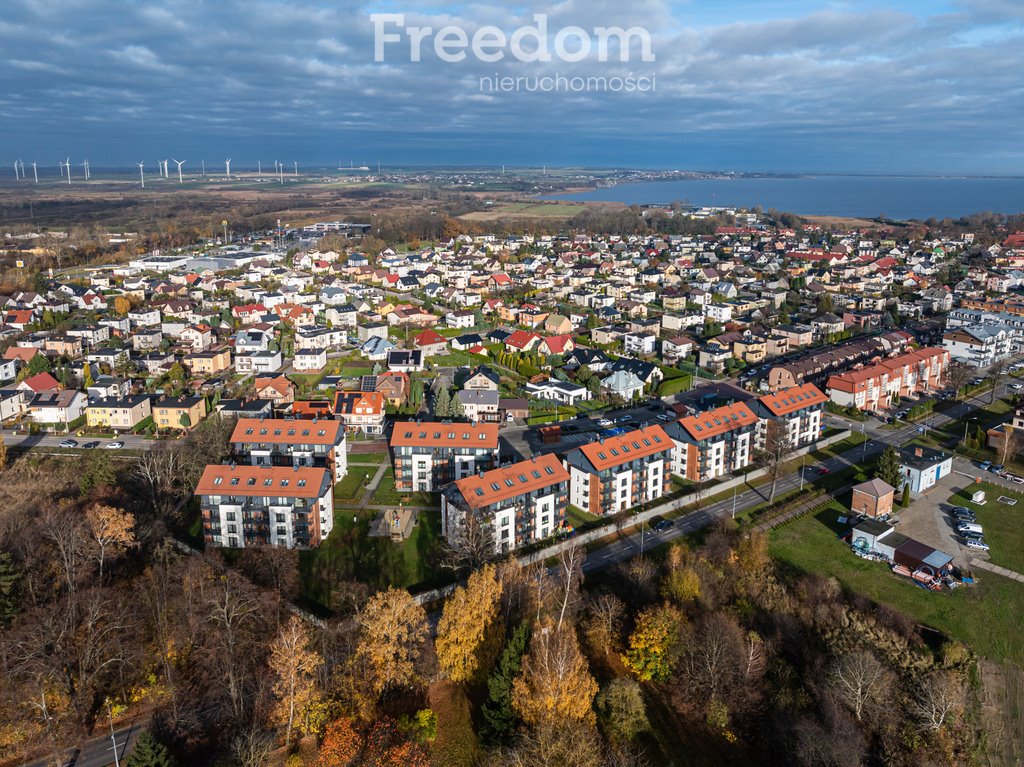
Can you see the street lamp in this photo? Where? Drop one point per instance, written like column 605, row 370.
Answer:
column 966, row 423
column 113, row 740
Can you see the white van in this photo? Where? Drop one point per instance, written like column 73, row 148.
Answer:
column 970, row 527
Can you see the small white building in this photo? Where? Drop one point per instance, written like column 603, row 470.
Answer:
column 258, row 362
column 310, row 360
column 922, row 468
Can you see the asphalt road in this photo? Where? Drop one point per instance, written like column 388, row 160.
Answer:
column 878, row 438
column 98, row 752
column 29, row 441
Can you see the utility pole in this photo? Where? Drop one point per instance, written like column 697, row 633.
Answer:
column 734, row 491
column 113, row 740
column 864, row 444
column 802, row 472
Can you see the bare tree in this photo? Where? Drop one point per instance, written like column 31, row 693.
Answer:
column 570, row 573
column 997, row 373
column 603, row 622
column 470, row 543
column 957, row 376
column 64, row 527
column 252, row 747
column 158, row 471
column 859, row 680
column 940, row 698
column 774, row 453
column 1010, row 443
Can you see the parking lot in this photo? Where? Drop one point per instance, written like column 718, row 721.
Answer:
column 928, row 520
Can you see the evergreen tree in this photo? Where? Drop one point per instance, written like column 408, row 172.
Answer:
column 905, row 499
column 8, row 588
column 888, row 468
column 442, row 403
column 87, row 375
column 148, row 752
column 455, row 408
column 500, row 721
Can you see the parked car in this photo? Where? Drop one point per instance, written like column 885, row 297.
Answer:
column 115, row 445
column 979, row 545
column 659, row 523
column 969, row 527
column 984, row 465
column 665, row 418
column 969, row 536
column 965, row 516
column 69, row 443
column 997, row 468
column 960, row 510
column 605, row 423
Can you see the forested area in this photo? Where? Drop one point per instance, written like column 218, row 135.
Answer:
column 706, row 651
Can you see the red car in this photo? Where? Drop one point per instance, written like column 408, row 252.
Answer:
column 823, row 470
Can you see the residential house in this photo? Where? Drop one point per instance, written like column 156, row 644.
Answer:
column 208, row 363
column 430, row 343
column 873, row 498
column 623, row 384
column 799, row 410
column 277, row 389
column 714, row 443
column 395, row 387
column 405, row 361
column 179, row 414
column 478, row 405
column 120, row 413
column 259, row 362
column 360, row 411
column 57, row 407
column 310, row 360
column 876, row 386
column 563, row 392
column 922, row 468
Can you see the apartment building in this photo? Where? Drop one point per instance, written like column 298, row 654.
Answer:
column 290, row 507
column 876, row 386
column 619, row 473
column 980, row 345
column 314, row 443
column 430, row 454
column 715, row 443
column 523, row 503
column 798, row 408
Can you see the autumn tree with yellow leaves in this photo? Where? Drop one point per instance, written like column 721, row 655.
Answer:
column 555, row 684
column 392, row 636
column 294, row 664
column 111, row 532
column 654, row 644
column 469, row 633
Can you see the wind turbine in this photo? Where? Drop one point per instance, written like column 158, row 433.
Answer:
column 16, row 176
column 296, row 169
column 68, row 163
column 167, row 172
column 142, row 174
column 85, row 169
column 227, row 167
column 280, row 172
column 35, row 172
column 179, row 163
column 259, row 167
column 204, row 167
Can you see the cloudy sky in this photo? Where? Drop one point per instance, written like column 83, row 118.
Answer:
column 773, row 85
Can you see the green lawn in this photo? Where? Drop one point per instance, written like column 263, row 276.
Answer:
column 376, row 458
column 987, row 616
column 578, row 518
column 837, row 448
column 387, row 495
column 350, row 489
column 1002, row 522
column 349, row 553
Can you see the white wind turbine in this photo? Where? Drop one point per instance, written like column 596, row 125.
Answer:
column 179, row 163
column 227, row 167
column 142, row 174
column 67, row 162
column 259, row 167
column 296, row 169
column 85, row 169
column 167, row 172
column 35, row 172
column 16, row 176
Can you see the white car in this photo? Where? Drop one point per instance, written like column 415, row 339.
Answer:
column 114, row 445
column 605, row 423
column 979, row 545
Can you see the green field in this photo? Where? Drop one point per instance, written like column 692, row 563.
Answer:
column 351, row 487
column 987, row 616
column 1002, row 523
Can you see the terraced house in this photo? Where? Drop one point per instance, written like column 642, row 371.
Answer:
column 877, row 386
column 715, row 443
column 242, row 506
column 618, row 473
column 522, row 503
column 429, row 455
column 318, row 443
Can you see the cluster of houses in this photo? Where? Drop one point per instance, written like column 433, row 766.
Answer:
column 156, row 343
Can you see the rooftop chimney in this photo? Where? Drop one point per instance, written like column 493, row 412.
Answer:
column 919, row 452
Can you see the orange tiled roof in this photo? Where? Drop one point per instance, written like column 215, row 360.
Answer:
column 511, row 481
column 612, row 451
column 437, row 434
column 793, row 399
column 280, row 431
column 262, row 481
column 719, row 421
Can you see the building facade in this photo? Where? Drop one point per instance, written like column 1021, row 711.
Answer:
column 429, row 455
column 522, row 503
column 318, row 443
column 877, row 386
column 265, row 505
column 799, row 409
column 715, row 443
column 618, row 473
